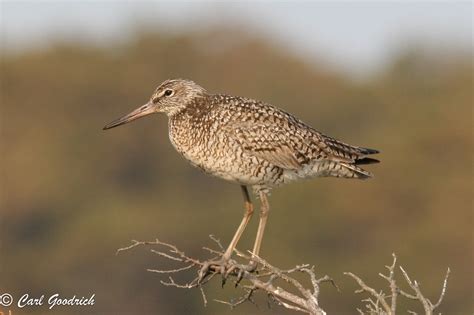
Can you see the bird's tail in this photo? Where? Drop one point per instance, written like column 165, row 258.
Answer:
column 331, row 168
column 365, row 161
column 353, row 171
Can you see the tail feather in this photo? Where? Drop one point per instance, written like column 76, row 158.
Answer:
column 365, row 161
column 340, row 169
column 343, row 160
column 368, row 151
column 344, row 150
column 356, row 172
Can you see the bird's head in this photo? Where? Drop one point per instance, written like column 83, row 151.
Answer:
column 170, row 97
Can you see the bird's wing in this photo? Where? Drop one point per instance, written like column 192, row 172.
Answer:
column 292, row 148
column 270, row 142
column 283, row 140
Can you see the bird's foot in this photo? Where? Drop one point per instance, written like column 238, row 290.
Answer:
column 226, row 267
column 222, row 265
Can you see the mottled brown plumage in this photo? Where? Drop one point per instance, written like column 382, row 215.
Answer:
column 248, row 142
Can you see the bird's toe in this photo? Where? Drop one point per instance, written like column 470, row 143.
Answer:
column 221, row 266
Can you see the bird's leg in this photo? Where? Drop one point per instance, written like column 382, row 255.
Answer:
column 220, row 265
column 245, row 220
column 264, row 210
column 252, row 266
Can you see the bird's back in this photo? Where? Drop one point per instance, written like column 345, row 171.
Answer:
column 267, row 145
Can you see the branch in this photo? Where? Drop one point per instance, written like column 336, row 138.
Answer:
column 373, row 307
column 428, row 306
column 266, row 278
column 379, row 296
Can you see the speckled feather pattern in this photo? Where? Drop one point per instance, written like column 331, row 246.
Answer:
column 257, row 144
column 248, row 142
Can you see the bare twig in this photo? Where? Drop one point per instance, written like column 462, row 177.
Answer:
column 379, row 296
column 428, row 306
column 172, row 270
column 218, row 242
column 265, row 278
column 393, row 286
column 242, row 299
column 443, row 290
column 373, row 307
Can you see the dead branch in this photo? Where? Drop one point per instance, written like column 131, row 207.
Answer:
column 266, row 278
column 380, row 306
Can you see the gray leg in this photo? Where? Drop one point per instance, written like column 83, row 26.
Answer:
column 245, row 220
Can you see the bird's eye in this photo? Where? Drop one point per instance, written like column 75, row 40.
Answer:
column 168, row 92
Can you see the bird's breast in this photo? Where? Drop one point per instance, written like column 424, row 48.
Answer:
column 216, row 154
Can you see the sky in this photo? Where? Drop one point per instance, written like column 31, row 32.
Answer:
column 357, row 37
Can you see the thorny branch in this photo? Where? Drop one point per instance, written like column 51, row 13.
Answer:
column 265, row 278
column 377, row 304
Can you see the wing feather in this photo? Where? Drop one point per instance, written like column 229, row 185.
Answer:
column 269, row 142
column 283, row 140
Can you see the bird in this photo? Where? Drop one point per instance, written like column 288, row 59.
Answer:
column 250, row 143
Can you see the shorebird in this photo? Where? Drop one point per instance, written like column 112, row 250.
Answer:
column 248, row 142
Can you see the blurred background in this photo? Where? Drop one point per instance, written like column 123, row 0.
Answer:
column 395, row 76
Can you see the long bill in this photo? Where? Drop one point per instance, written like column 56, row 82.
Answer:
column 142, row 111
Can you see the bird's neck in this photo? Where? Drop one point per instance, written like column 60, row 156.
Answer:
column 187, row 128
column 195, row 110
